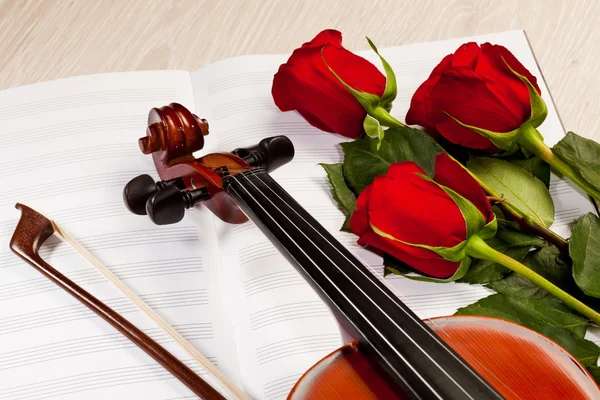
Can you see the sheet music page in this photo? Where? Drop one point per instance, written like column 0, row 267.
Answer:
column 280, row 325
column 68, row 149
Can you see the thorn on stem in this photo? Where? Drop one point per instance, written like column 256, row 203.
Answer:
column 493, row 199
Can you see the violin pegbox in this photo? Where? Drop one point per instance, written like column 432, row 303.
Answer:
column 172, row 136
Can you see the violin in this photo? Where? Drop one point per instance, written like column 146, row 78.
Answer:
column 390, row 353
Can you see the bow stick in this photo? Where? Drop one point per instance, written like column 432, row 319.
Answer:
column 34, row 229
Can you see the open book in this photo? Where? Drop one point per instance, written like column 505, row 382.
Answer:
column 69, row 147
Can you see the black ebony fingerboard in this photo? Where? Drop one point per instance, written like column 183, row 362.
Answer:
column 393, row 336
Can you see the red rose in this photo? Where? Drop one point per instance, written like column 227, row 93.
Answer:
column 306, row 85
column 415, row 212
column 475, row 86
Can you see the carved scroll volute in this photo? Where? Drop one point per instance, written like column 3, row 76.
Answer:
column 173, row 135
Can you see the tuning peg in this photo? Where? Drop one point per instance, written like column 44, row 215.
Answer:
column 270, row 153
column 168, row 205
column 139, row 189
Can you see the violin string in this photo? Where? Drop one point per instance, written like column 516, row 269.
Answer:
column 370, row 278
column 349, row 301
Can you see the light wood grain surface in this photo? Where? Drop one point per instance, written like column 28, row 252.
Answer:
column 48, row 39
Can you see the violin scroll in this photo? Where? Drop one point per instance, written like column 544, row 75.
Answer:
column 173, row 133
column 172, row 136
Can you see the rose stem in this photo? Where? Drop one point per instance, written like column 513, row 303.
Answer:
column 526, row 222
column 530, row 139
column 477, row 248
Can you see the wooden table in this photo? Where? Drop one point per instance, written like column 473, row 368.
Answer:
column 48, row 39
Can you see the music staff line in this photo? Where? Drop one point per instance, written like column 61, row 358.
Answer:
column 273, row 280
column 77, row 312
column 150, row 95
column 66, row 157
column 297, row 345
column 88, row 276
column 249, row 132
column 115, row 240
column 77, row 214
column 288, row 312
column 243, row 105
column 94, row 380
column 81, row 127
column 95, row 344
column 279, row 388
column 239, row 80
column 71, row 185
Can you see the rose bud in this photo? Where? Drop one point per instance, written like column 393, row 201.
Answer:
column 423, row 222
column 478, row 97
column 305, row 83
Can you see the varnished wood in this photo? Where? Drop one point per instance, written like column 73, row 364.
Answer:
column 520, row 363
column 31, row 232
column 172, row 136
column 344, row 374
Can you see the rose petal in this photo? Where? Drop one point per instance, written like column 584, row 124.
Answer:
column 328, row 36
column 450, row 173
column 420, row 112
column 466, row 55
column 414, row 210
column 306, row 84
column 432, row 265
column 359, row 222
column 503, row 82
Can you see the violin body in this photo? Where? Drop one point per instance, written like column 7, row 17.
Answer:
column 391, row 353
column 519, row 363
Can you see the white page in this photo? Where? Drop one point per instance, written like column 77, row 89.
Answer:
column 280, row 326
column 68, row 148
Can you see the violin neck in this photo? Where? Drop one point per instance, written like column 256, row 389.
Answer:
column 410, row 354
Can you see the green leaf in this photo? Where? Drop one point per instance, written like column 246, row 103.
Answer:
column 546, row 315
column 363, row 162
column 340, row 192
column 584, row 248
column 513, row 238
column 518, row 286
column 373, row 129
column 526, row 192
column 391, row 90
column 548, row 263
column 581, row 154
column 484, row 271
column 538, row 167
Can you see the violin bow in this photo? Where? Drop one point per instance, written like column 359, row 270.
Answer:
column 34, row 229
